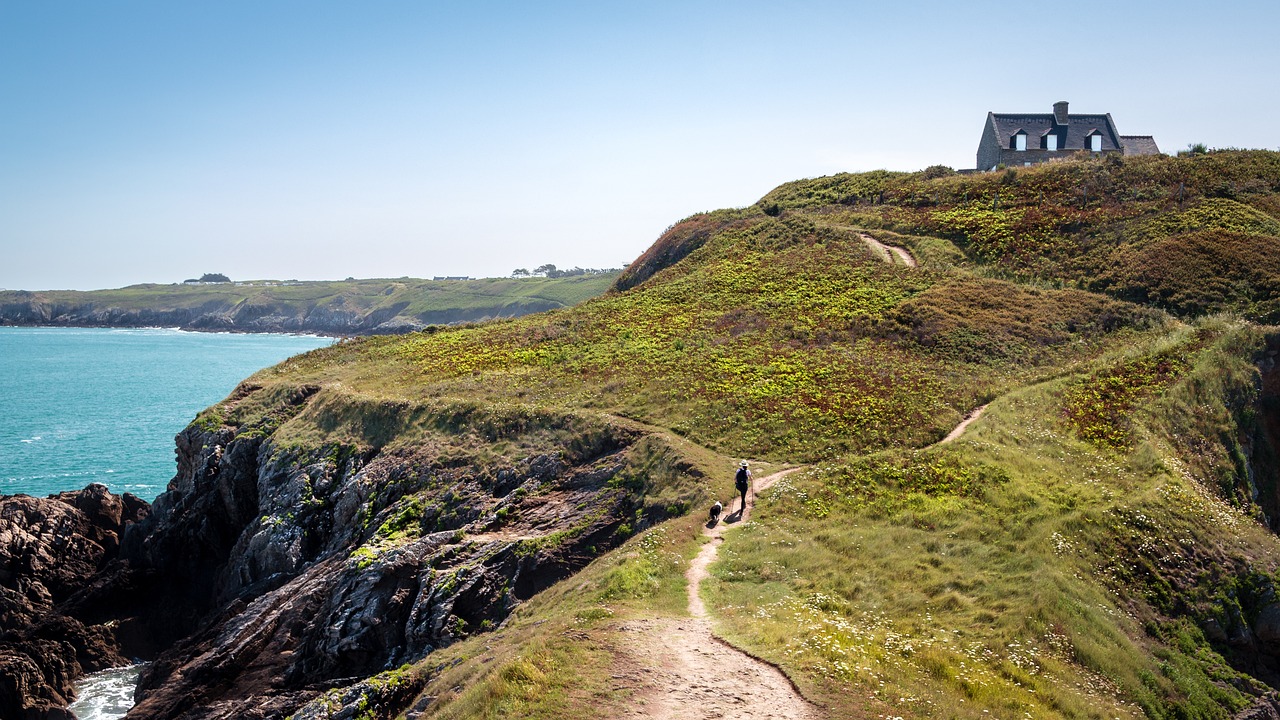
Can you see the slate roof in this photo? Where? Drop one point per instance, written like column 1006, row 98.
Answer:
column 1139, row 145
column 1078, row 127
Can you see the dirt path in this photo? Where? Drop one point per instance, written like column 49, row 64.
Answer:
column 958, row 430
column 687, row 672
column 677, row 667
column 888, row 251
column 697, row 571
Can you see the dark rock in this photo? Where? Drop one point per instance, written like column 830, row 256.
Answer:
column 384, row 696
column 50, row 548
column 1266, row 707
column 266, row 577
column 1214, row 632
column 35, row 681
column 1267, row 625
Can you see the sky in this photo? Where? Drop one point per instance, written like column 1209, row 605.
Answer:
column 157, row 141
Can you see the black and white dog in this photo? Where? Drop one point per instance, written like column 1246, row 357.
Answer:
column 715, row 511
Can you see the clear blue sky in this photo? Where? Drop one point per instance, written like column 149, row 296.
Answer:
column 155, row 141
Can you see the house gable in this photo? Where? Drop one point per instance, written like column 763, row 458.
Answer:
column 1052, row 134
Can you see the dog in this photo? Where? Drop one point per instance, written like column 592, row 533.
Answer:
column 715, row 511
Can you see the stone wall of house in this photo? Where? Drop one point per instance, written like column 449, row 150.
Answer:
column 988, row 148
column 1014, row 158
column 988, row 155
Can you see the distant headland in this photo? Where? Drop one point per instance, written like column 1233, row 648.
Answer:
column 342, row 307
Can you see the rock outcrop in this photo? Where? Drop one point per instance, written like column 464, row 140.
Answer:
column 270, row 575
column 50, row 549
column 314, row 570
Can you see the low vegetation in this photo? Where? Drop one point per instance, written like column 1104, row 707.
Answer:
column 1094, row 546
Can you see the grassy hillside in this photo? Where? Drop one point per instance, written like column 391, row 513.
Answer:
column 1097, row 545
column 340, row 307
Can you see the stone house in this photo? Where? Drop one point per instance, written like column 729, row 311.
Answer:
column 1013, row 139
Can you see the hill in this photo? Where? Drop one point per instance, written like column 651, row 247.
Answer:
column 497, row 520
column 349, row 307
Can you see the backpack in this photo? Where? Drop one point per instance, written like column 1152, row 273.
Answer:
column 741, row 480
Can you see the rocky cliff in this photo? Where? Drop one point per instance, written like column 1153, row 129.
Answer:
column 273, row 570
column 50, row 550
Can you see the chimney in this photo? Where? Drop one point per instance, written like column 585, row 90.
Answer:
column 1060, row 112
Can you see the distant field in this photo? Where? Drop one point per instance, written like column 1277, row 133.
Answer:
column 331, row 307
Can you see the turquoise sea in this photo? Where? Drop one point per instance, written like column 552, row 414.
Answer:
column 84, row 405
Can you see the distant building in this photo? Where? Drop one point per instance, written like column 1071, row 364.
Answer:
column 450, row 277
column 1013, row 139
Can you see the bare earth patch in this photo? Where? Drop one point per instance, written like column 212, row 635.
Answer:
column 888, row 251
column 958, row 430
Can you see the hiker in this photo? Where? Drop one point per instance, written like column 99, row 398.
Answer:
column 742, row 481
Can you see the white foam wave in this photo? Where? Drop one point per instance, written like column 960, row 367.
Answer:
column 106, row 695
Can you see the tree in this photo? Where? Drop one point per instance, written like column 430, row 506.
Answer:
column 214, row 277
column 519, row 272
column 548, row 270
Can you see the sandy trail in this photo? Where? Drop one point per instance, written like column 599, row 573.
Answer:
column 687, row 672
column 958, row 430
column 679, row 670
column 888, row 251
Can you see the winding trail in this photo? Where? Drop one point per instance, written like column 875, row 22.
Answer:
column 680, row 670
column 888, row 251
column 692, row 674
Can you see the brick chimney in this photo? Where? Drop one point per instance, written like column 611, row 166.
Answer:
column 1060, row 112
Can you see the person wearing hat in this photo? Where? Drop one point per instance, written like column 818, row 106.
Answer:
column 742, row 481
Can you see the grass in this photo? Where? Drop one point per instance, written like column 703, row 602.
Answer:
column 1097, row 222
column 993, row 577
column 782, row 339
column 555, row 657
column 1081, row 551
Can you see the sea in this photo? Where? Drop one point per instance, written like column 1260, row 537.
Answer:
column 86, row 405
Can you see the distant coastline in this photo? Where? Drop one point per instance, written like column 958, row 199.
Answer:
column 173, row 328
column 324, row 308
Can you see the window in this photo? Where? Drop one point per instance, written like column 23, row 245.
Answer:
column 1051, row 142
column 1020, row 141
column 1095, row 143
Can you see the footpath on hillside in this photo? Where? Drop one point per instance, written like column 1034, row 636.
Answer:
column 888, row 251
column 687, row 672
column 682, row 671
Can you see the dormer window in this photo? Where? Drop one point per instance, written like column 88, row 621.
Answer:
column 1020, row 140
column 1051, row 141
column 1095, row 141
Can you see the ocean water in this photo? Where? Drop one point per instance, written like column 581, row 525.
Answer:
column 106, row 695
column 84, row 405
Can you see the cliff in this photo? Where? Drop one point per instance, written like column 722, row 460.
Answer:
column 272, row 571
column 353, row 307
column 50, row 549
column 497, row 519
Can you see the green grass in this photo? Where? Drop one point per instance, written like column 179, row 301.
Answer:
column 1070, row 556
column 992, row 577
column 780, row 339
